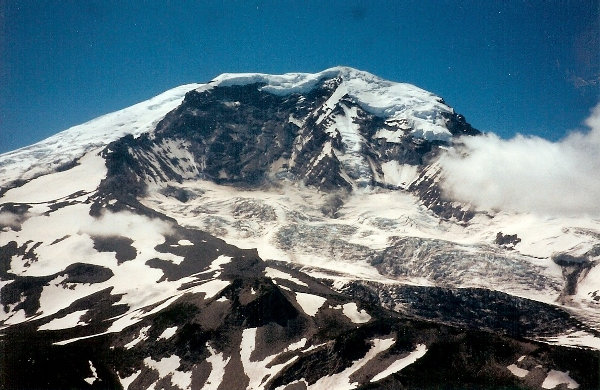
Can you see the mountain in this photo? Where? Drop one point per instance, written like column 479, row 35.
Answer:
column 282, row 232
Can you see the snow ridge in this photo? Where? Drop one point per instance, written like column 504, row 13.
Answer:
column 387, row 99
column 70, row 144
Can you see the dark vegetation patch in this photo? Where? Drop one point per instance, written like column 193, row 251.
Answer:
column 30, row 361
column 86, row 273
column 122, row 246
column 6, row 254
column 24, row 292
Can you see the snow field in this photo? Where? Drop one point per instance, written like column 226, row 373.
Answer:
column 125, row 382
column 351, row 311
column 400, row 175
column 70, row 320
column 402, row 363
column 516, row 371
column 310, row 303
column 83, row 177
column 277, row 274
column 555, row 378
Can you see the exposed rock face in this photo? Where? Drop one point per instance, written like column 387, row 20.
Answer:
column 507, row 240
column 574, row 269
column 244, row 136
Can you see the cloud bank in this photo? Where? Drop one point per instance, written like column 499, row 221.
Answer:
column 527, row 174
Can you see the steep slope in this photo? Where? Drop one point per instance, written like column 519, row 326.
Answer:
column 61, row 150
column 281, row 232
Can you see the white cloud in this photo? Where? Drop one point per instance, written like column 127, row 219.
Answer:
column 527, row 174
column 10, row 219
column 126, row 224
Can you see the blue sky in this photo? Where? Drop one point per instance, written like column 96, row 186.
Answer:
column 520, row 66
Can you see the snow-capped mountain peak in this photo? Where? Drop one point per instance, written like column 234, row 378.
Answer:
column 281, row 232
column 390, row 100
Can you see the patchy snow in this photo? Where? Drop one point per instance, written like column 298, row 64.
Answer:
column 182, row 379
column 210, row 288
column 555, row 378
column 389, row 135
column 164, row 366
column 312, row 347
column 216, row 264
column 94, row 376
column 332, row 102
column 277, row 274
column 341, row 380
column 143, row 335
column 291, row 385
column 516, row 371
column 295, row 121
column 218, row 363
column 401, row 363
column 70, row 320
column 351, row 311
column 71, row 233
column 310, row 303
column 260, row 372
column 185, row 242
column 125, row 382
column 75, row 223
column 168, row 367
column 353, row 160
column 57, row 295
column 168, row 333
column 69, row 341
column 297, row 345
